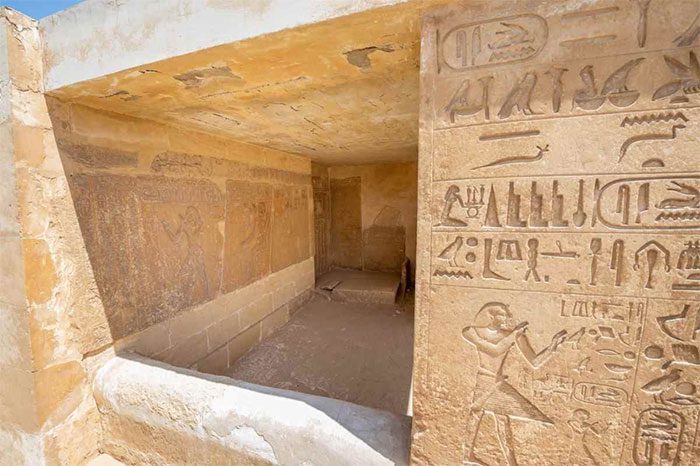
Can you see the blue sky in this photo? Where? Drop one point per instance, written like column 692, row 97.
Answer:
column 37, row 9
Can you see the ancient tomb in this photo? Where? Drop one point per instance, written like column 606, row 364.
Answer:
column 180, row 176
column 558, row 276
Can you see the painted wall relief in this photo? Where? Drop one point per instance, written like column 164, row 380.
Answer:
column 562, row 317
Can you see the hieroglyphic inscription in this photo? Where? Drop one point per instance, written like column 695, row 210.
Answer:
column 563, row 233
column 153, row 242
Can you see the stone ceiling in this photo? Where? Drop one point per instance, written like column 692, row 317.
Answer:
column 343, row 91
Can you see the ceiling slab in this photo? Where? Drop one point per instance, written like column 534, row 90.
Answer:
column 341, row 91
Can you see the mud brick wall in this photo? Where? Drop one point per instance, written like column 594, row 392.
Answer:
column 558, row 307
column 200, row 246
column 373, row 215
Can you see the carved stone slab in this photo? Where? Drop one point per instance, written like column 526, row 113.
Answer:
column 290, row 226
column 154, row 244
column 558, row 297
column 346, row 222
column 248, row 228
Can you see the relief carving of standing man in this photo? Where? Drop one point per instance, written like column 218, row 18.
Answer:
column 192, row 267
column 494, row 336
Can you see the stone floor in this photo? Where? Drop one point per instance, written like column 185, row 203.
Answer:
column 357, row 352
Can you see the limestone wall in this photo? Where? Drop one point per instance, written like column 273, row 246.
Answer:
column 559, row 276
column 199, row 245
column 322, row 218
column 53, row 330
column 373, row 215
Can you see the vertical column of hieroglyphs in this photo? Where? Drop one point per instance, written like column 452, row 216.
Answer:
column 564, row 302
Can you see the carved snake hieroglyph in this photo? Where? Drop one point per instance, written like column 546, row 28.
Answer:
column 648, row 137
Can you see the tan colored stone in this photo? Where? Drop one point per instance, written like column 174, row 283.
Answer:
column 186, row 352
column 346, row 222
column 191, row 321
column 383, row 248
column 243, row 342
column 172, row 260
column 223, row 330
column 558, row 251
column 15, row 347
column 17, row 399
column 12, row 272
column 28, row 144
column 388, row 206
column 248, row 228
column 155, row 339
column 58, row 390
column 215, row 363
column 274, row 321
column 39, row 270
column 8, row 208
column 42, row 331
column 77, row 439
column 290, row 236
column 283, row 295
column 256, row 311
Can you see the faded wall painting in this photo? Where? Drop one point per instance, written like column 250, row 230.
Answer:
column 290, row 226
column 154, row 244
column 248, row 226
column 559, row 300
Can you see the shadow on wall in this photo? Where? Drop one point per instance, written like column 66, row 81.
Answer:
column 167, row 222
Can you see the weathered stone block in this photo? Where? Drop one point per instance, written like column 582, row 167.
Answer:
column 290, row 226
column 243, row 342
column 39, row 269
column 59, row 390
column 186, row 352
column 383, row 248
column 223, row 330
column 274, row 321
column 283, row 295
column 15, row 347
column 215, row 363
column 12, row 272
column 17, row 399
column 346, row 222
column 155, row 339
column 256, row 311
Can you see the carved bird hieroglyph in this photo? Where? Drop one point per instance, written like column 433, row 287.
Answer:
column 657, row 386
column 450, row 252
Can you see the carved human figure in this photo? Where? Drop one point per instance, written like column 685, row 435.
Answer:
column 587, row 446
column 494, row 335
column 185, row 237
column 452, row 197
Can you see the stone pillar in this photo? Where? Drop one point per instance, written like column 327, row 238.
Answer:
column 51, row 319
column 558, row 304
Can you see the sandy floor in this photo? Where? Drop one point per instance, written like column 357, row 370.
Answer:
column 362, row 353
